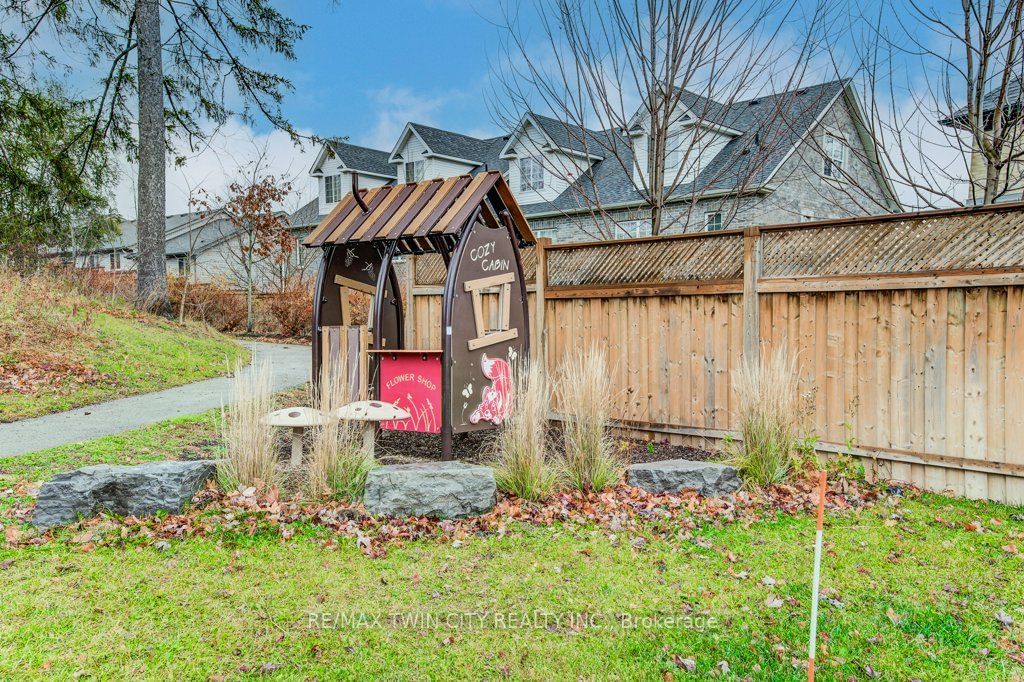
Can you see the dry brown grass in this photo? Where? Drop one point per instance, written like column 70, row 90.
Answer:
column 337, row 461
column 589, row 461
column 251, row 443
column 521, row 463
column 769, row 413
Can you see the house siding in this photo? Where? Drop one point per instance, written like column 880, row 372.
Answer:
column 557, row 167
column 800, row 190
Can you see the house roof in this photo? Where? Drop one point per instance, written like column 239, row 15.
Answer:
column 307, row 215
column 769, row 129
column 363, row 159
column 988, row 102
column 199, row 235
column 569, row 136
column 484, row 152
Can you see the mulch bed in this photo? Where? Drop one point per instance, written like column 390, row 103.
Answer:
column 402, row 447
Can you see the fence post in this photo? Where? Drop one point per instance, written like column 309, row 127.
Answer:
column 540, row 340
column 751, row 304
column 409, row 331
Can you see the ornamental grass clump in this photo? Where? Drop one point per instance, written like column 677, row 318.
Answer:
column 337, row 460
column 250, row 441
column 589, row 462
column 769, row 417
column 521, row 464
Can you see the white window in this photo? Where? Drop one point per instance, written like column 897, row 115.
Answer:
column 413, row 171
column 185, row 265
column 115, row 260
column 835, row 156
column 332, row 188
column 632, row 229
column 713, row 221
column 531, row 174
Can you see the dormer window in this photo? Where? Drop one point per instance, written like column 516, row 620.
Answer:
column 332, row 188
column 531, row 174
column 413, row 171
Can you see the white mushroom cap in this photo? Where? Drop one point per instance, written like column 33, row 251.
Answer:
column 295, row 417
column 371, row 411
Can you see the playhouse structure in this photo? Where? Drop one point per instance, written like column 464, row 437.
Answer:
column 476, row 226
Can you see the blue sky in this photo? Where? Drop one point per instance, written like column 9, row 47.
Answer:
column 364, row 68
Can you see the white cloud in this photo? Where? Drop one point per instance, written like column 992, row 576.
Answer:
column 214, row 165
column 396, row 107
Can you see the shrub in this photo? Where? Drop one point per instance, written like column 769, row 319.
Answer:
column 769, row 417
column 338, row 460
column 589, row 462
column 291, row 308
column 211, row 302
column 251, row 443
column 521, row 465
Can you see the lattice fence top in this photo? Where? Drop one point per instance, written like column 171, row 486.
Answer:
column 707, row 258
column 946, row 241
column 968, row 240
column 431, row 272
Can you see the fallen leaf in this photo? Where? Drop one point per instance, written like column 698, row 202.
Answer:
column 1004, row 619
column 773, row 602
column 687, row 664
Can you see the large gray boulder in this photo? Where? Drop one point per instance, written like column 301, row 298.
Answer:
column 675, row 475
column 447, row 490
column 140, row 490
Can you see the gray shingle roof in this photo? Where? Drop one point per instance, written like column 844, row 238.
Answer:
column 988, row 102
column 770, row 128
column 570, row 136
column 308, row 214
column 485, row 152
column 199, row 235
column 363, row 158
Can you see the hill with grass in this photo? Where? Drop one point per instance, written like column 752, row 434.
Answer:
column 63, row 344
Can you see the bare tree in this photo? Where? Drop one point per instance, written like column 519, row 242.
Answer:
column 946, row 96
column 647, row 87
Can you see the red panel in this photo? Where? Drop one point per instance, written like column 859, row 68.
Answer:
column 412, row 380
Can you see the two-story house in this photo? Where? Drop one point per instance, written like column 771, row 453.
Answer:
column 804, row 154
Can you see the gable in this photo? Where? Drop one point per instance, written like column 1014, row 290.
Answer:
column 400, row 153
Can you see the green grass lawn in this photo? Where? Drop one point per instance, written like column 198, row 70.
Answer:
column 139, row 356
column 913, row 593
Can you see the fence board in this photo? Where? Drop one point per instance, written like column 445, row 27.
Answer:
column 921, row 374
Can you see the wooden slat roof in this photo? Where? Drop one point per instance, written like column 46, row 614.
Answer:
column 415, row 211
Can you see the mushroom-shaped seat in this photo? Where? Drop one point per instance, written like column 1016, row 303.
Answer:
column 299, row 419
column 371, row 411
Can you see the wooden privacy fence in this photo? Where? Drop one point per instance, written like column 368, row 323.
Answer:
column 907, row 331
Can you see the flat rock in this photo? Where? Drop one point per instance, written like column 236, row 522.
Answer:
column 140, row 490
column 447, row 490
column 710, row 479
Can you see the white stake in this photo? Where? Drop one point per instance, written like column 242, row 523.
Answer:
column 816, row 582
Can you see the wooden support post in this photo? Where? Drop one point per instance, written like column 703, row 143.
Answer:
column 410, row 302
column 540, row 343
column 751, row 302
